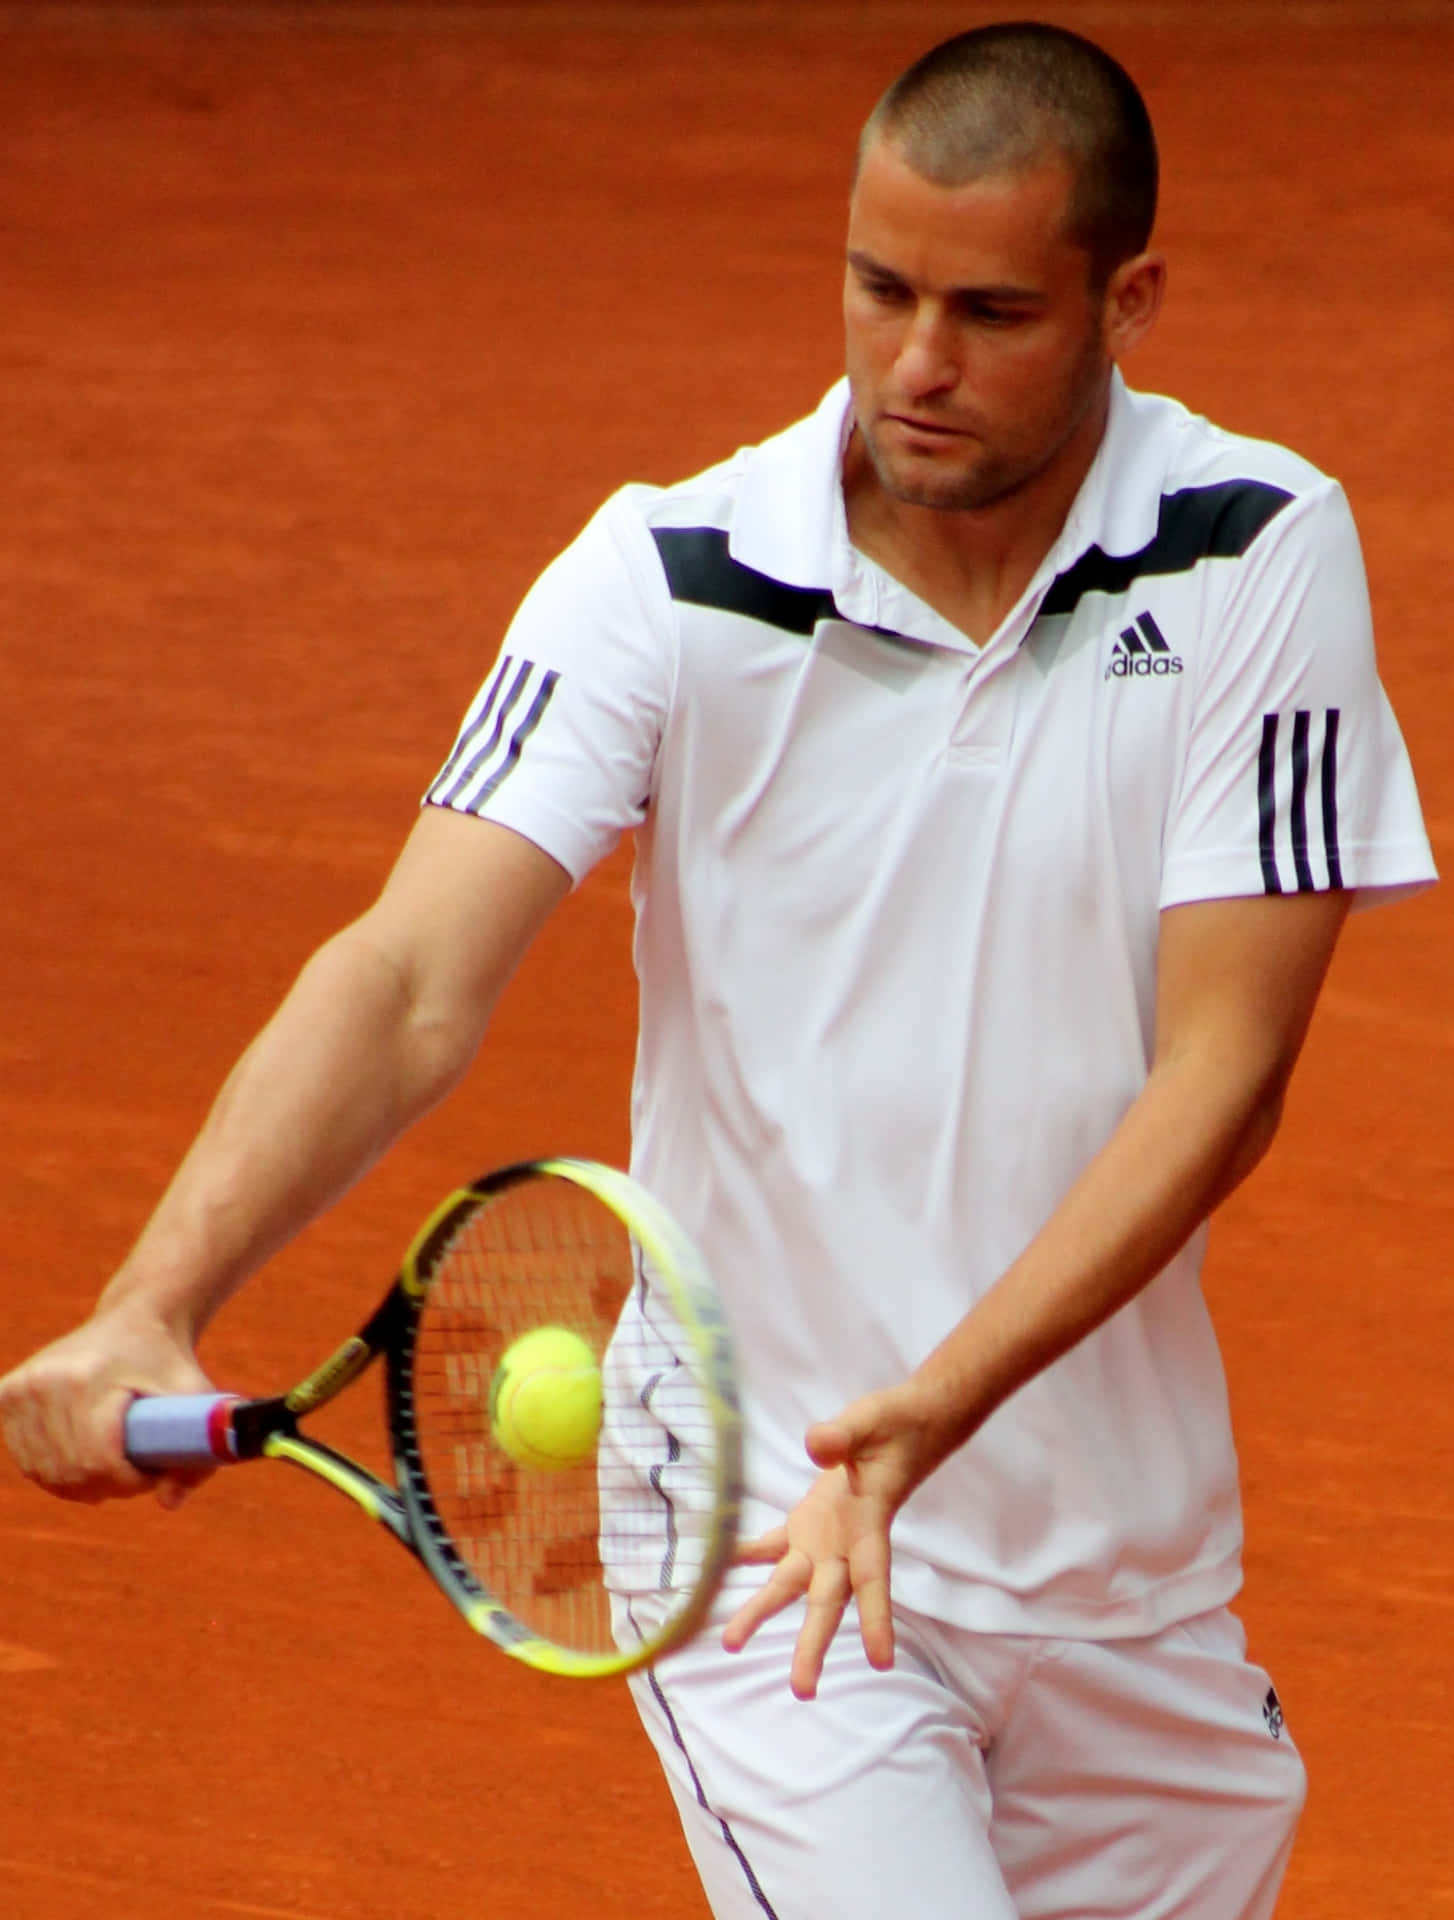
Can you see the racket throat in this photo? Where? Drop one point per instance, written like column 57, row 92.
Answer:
column 255, row 1422
column 379, row 1502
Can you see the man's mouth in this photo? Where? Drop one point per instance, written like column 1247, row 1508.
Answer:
column 934, row 428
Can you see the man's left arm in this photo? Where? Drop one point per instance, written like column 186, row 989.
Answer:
column 1237, row 981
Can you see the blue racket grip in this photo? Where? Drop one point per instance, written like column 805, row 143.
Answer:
column 180, row 1430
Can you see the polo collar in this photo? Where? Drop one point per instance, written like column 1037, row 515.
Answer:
column 789, row 511
column 789, row 522
column 1117, row 507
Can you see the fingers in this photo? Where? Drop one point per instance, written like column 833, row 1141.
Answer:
column 825, row 1590
column 69, row 1447
column 864, row 1579
column 827, row 1601
column 766, row 1550
column 171, row 1489
column 789, row 1582
column 830, row 1443
column 62, row 1412
column 871, row 1591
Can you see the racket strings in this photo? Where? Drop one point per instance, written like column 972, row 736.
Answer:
column 546, row 1253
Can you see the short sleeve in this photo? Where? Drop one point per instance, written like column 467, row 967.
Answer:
column 1295, row 777
column 560, row 742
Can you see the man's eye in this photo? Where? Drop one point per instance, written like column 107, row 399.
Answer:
column 885, row 290
column 998, row 316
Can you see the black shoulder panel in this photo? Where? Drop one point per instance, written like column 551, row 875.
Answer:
column 701, row 571
column 1199, row 523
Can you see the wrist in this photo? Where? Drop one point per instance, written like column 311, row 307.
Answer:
column 934, row 1417
column 152, row 1306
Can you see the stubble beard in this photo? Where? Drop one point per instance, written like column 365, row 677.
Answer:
column 992, row 475
column 989, row 481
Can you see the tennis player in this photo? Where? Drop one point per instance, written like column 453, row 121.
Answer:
column 1005, row 749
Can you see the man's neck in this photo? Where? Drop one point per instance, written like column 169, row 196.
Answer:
column 970, row 566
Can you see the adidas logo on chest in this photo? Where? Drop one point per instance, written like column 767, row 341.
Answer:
column 1142, row 652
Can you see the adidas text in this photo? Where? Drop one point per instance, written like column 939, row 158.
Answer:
column 1125, row 666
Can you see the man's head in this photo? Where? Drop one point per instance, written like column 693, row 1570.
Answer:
column 1004, row 195
column 1000, row 99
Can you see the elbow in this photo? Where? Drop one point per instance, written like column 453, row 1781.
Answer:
column 1257, row 1135
column 414, row 1016
column 1261, row 1129
column 441, row 1049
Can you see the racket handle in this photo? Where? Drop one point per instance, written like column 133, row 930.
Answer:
column 180, row 1430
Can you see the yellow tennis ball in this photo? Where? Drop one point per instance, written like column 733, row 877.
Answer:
column 545, row 1399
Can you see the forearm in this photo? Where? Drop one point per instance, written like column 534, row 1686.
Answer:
column 1184, row 1144
column 349, row 1060
column 1185, row 1141
column 1237, row 983
column 381, row 1023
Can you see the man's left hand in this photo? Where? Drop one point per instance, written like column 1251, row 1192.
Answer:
column 834, row 1545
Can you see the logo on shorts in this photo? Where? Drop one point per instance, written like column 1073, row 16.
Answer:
column 1141, row 651
column 1272, row 1713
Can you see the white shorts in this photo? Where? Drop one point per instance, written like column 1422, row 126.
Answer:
column 984, row 1778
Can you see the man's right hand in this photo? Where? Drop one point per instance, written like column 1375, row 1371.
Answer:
column 62, row 1411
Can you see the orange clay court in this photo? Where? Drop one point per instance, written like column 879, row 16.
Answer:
column 324, row 327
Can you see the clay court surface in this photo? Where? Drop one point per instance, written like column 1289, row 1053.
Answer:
column 323, row 328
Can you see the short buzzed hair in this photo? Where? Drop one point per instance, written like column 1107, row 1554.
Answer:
column 998, row 99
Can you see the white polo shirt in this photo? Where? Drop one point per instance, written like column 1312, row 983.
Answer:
column 897, row 903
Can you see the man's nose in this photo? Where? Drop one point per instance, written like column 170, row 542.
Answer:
column 928, row 359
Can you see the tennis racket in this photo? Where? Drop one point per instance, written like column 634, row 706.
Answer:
column 529, row 1555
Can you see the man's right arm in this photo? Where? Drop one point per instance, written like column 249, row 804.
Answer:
column 382, row 1022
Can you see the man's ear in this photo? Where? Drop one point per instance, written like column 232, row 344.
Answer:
column 1133, row 299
